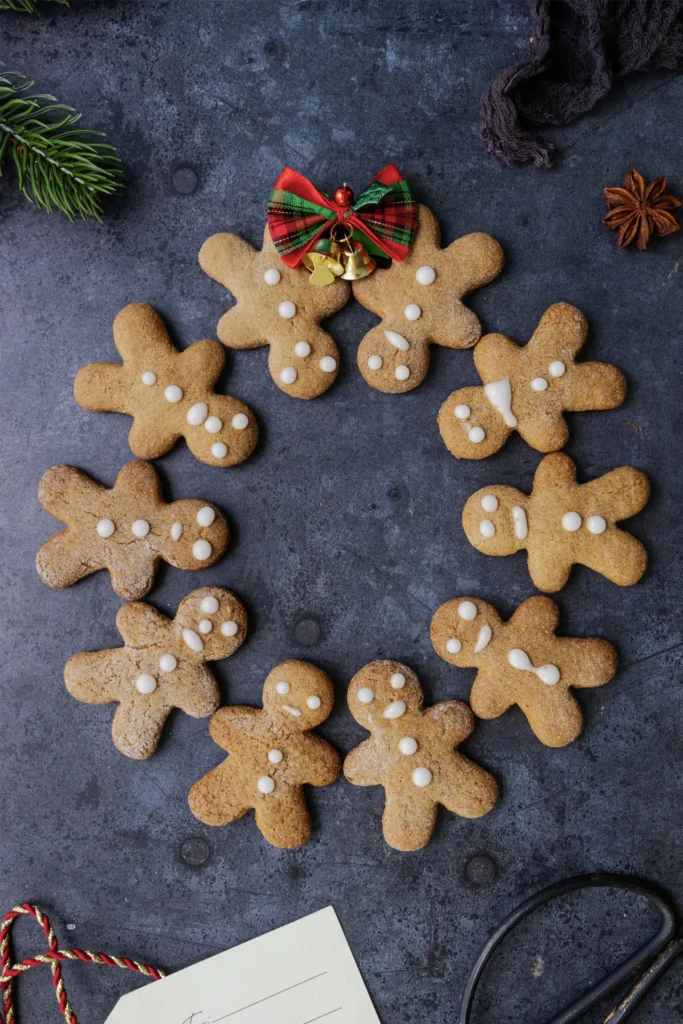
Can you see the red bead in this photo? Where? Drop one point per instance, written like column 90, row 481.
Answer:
column 343, row 196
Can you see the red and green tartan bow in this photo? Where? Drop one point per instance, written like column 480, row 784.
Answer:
column 385, row 213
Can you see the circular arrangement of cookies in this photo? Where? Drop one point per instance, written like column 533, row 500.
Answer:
column 319, row 250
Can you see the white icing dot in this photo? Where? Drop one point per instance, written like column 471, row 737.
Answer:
column 291, row 711
column 366, row 695
column 313, row 702
column 283, row 688
column 206, row 516
column 489, row 503
column 422, row 777
column 275, row 756
column 176, row 531
column 240, row 421
column 425, row 275
column 193, row 641
column 197, row 414
column 477, row 435
column 596, row 524
column 407, row 745
column 539, row 383
column 467, row 610
column 140, row 528
column 209, row 605
column 398, row 681
column 149, row 378
column 571, row 521
column 557, row 368
column 375, row 362
column 219, row 450
column 167, row 663
column 173, row 393
column 487, row 529
column 412, row 311
column 229, row 628
column 105, row 527
column 302, row 349
column 145, row 683
column 205, row 625
column 395, row 709
column 272, row 276
column 287, row 310
column 453, row 646
column 214, row 425
column 288, row 375
column 397, row 340
column 402, row 372
column 328, row 364
column 265, row 784
column 462, row 412
column 201, row 550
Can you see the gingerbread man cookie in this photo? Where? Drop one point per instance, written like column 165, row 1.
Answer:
column 528, row 389
column 168, row 393
column 273, row 754
column 126, row 530
column 562, row 523
column 412, row 753
column 162, row 665
column 276, row 306
column 419, row 301
column 522, row 662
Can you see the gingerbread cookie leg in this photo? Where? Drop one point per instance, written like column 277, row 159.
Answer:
column 409, row 818
column 214, row 800
column 466, row 789
column 286, row 822
column 137, row 735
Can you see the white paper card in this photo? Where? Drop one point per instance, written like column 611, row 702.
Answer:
column 298, row 974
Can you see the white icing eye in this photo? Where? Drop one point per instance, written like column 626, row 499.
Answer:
column 398, row 681
column 375, row 362
column 209, row 605
column 539, row 383
column 462, row 412
column 313, row 702
column 272, row 276
column 140, row 528
column 422, row 777
column 328, row 364
column 287, row 310
column 219, row 450
column 214, row 425
column 402, row 372
column 467, row 610
column 145, row 683
column 193, row 641
column 167, row 663
column 105, row 527
column 407, row 745
column 476, row 435
column 265, row 784
column 571, row 521
column 483, row 640
column 596, row 524
column 395, row 709
column 206, row 516
column 397, row 340
column 197, row 414
column 173, row 393
column 366, row 695
column 176, row 531
column 201, row 549
column 412, row 311
column 240, row 421
column 288, row 375
column 489, row 503
column 453, row 646
column 149, row 378
column 487, row 529
column 557, row 368
column 229, row 628
column 275, row 756
column 425, row 275
column 205, row 625
column 302, row 349
column 283, row 688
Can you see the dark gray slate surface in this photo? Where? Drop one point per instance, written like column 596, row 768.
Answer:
column 349, row 511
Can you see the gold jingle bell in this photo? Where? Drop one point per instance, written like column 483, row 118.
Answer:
column 354, row 259
column 323, row 262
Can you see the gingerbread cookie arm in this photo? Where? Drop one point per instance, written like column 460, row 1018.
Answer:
column 555, row 470
column 137, row 735
column 202, row 362
column 479, row 259
column 94, row 677
column 140, row 331
column 361, row 767
column 214, row 800
column 537, row 615
column 221, row 254
column 454, row 719
column 409, row 817
column 195, row 691
column 240, row 329
column 141, row 625
column 493, row 357
column 322, row 764
column 465, row 789
column 233, row 728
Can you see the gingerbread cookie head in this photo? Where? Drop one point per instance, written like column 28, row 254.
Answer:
column 378, row 698
column 462, row 631
column 420, row 303
column 276, row 306
column 169, row 394
column 529, row 388
column 298, row 696
column 496, row 520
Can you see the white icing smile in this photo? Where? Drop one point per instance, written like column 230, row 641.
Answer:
column 396, row 709
column 499, row 394
column 520, row 523
column 291, row 710
column 483, row 639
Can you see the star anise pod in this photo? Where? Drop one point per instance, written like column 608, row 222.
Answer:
column 640, row 210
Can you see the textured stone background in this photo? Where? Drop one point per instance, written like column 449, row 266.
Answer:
column 348, row 514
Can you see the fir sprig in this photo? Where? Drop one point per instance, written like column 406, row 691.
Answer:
column 59, row 167
column 28, row 6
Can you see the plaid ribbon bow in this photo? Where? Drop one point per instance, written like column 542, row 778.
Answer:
column 298, row 214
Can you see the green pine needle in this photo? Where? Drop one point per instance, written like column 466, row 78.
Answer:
column 28, row 6
column 59, row 167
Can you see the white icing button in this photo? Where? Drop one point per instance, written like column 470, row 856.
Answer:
column 140, row 528
column 487, row 529
column 275, row 756
column 145, row 683
column 596, row 524
column 176, row 531
column 167, row 663
column 229, row 628
column 557, row 368
column 105, row 527
column 539, row 383
column 398, row 681
column 571, row 521
column 206, row 516
column 209, row 605
column 483, row 639
column 240, row 421
column 149, row 378
column 302, row 349
column 397, row 340
column 402, row 372
column 467, row 610
column 205, row 625
column 328, row 364
column 489, row 503
column 425, row 275
column 287, row 310
column 265, row 784
column 219, row 450
column 272, row 276
column 313, row 702
column 412, row 311
column 201, row 549
column 197, row 414
column 283, row 688
column 288, row 375
column 407, row 745
column 477, row 435
column 193, row 641
column 462, row 412
column 173, row 393
column 549, row 674
column 519, row 519
column 395, row 709
column 422, row 777
column 375, row 362
column 366, row 695
column 213, row 425
column 453, row 646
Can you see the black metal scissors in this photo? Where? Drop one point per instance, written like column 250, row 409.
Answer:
column 648, row 963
